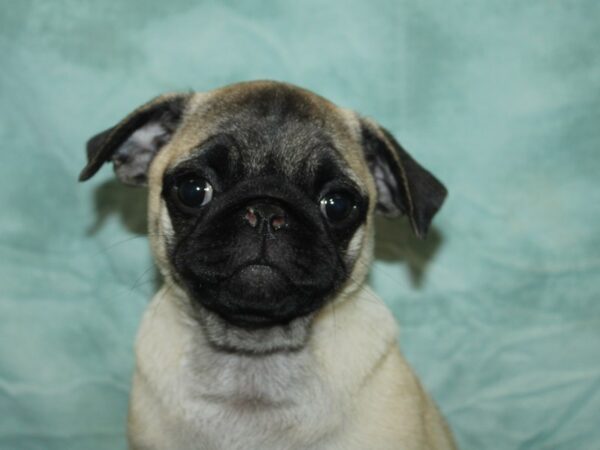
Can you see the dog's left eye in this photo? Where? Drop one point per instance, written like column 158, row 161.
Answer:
column 193, row 192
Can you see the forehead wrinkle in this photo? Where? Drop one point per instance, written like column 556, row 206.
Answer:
column 274, row 143
column 201, row 147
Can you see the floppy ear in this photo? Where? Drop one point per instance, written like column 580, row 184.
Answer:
column 403, row 185
column 132, row 143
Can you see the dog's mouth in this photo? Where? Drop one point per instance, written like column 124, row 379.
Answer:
column 255, row 295
column 251, row 321
column 258, row 279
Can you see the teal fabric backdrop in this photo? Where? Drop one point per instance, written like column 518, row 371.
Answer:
column 499, row 308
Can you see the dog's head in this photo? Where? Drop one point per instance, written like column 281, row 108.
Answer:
column 261, row 198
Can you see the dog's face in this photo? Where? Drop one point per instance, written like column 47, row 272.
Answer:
column 261, row 198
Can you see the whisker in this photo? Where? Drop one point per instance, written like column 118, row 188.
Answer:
column 114, row 244
column 135, row 283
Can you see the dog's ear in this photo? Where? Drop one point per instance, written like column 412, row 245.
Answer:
column 134, row 141
column 403, row 185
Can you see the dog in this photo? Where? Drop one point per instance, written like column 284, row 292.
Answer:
column 265, row 336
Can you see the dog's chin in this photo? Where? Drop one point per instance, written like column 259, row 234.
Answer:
column 250, row 335
column 255, row 309
column 254, row 296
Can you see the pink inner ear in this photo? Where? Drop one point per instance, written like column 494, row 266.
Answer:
column 150, row 137
column 385, row 184
column 133, row 157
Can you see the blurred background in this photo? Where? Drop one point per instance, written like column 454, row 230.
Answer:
column 499, row 308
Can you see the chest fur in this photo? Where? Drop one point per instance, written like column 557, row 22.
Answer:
column 242, row 401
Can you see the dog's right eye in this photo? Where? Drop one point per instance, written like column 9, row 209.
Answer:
column 193, row 192
column 337, row 206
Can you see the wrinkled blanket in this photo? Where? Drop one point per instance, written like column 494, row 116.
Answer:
column 499, row 308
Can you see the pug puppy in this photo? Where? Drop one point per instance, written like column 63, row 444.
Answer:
column 265, row 335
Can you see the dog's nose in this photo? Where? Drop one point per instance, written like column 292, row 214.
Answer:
column 273, row 216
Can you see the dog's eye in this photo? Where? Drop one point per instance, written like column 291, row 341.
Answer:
column 337, row 206
column 193, row 192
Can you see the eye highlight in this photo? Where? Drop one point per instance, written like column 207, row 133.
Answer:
column 192, row 192
column 337, row 206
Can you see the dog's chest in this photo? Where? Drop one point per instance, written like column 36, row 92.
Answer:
column 268, row 402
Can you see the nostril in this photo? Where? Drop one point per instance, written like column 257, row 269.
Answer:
column 251, row 217
column 278, row 222
column 272, row 216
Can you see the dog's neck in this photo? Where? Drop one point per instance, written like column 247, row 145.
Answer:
column 273, row 380
column 341, row 336
column 226, row 366
column 290, row 337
